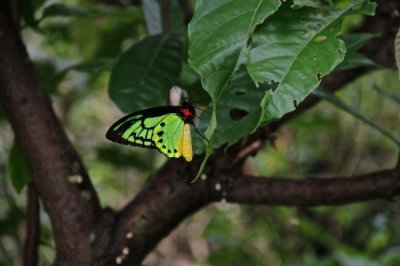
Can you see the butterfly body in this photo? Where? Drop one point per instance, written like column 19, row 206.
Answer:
column 166, row 128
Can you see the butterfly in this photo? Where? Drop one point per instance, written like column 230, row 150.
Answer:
column 166, row 128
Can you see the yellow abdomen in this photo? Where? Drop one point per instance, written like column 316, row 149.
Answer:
column 187, row 152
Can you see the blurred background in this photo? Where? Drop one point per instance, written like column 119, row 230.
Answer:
column 73, row 54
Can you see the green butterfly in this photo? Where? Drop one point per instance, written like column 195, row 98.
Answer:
column 166, row 128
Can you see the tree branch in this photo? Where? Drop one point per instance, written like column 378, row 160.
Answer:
column 167, row 198
column 71, row 205
column 314, row 191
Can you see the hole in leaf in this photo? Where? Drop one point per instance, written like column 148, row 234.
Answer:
column 273, row 85
column 237, row 114
column 295, row 103
column 240, row 93
column 319, row 76
column 340, row 51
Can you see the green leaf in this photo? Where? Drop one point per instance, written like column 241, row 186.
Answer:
column 362, row 117
column 238, row 113
column 354, row 60
column 217, row 42
column 353, row 42
column 311, row 3
column 17, row 169
column 219, row 34
column 144, row 74
column 295, row 49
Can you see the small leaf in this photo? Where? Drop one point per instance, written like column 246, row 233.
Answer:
column 354, row 60
column 362, row 117
column 353, row 42
column 17, row 169
column 145, row 73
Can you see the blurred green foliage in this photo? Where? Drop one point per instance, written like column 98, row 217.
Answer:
column 76, row 43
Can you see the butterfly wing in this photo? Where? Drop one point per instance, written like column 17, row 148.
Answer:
column 168, row 135
column 160, row 128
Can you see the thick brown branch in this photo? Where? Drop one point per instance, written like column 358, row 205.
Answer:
column 165, row 201
column 314, row 192
column 52, row 160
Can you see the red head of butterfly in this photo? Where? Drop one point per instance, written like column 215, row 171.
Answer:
column 188, row 112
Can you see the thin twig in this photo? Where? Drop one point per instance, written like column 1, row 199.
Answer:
column 31, row 246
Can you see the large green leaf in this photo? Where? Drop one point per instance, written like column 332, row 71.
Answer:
column 237, row 112
column 144, row 74
column 295, row 49
column 17, row 169
column 219, row 33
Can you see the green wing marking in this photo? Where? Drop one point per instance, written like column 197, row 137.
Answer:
column 163, row 132
column 168, row 135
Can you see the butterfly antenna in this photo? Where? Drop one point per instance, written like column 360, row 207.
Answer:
column 201, row 109
column 201, row 134
column 202, row 120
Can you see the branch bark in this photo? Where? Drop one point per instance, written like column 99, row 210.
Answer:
column 72, row 206
column 314, row 191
